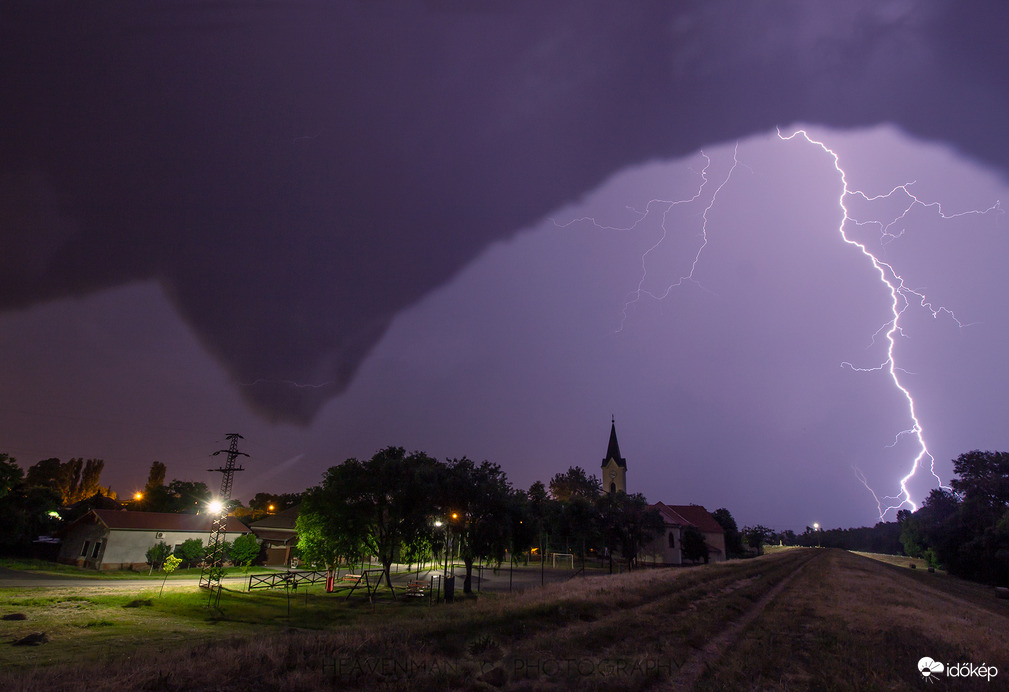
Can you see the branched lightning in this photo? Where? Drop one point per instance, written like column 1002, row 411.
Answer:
column 901, row 297
column 667, row 207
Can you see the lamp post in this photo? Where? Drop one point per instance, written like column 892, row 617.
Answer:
column 816, row 527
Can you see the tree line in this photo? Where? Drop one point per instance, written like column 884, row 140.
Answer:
column 404, row 507
column 51, row 492
column 965, row 528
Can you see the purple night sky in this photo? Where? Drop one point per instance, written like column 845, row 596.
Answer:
column 332, row 229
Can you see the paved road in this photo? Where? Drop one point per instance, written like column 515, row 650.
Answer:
column 10, row 578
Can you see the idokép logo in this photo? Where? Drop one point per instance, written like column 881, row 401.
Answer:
column 930, row 668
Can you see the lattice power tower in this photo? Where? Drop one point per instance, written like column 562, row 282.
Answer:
column 211, row 575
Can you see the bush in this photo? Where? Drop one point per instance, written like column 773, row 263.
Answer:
column 244, row 550
column 157, row 553
column 190, row 551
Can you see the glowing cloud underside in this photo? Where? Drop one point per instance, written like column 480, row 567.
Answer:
column 901, row 296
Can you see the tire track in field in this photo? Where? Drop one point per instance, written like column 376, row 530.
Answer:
column 699, row 661
column 605, row 637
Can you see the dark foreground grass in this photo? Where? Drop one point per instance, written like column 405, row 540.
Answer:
column 818, row 619
column 576, row 634
column 848, row 622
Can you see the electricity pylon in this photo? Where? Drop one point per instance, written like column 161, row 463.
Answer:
column 211, row 575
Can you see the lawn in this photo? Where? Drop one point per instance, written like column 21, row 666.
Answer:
column 796, row 619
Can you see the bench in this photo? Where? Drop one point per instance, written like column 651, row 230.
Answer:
column 418, row 589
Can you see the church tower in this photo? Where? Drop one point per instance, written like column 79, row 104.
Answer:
column 614, row 465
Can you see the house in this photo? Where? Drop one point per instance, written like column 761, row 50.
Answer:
column 666, row 548
column 107, row 539
column 278, row 534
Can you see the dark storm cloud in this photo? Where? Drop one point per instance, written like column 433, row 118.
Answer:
column 296, row 174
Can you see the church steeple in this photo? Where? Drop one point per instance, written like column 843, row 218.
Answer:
column 613, row 450
column 614, row 465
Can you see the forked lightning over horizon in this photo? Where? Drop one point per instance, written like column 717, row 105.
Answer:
column 901, row 296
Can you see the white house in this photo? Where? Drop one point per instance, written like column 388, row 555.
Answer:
column 666, row 548
column 119, row 539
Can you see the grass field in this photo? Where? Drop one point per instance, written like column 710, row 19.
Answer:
column 797, row 619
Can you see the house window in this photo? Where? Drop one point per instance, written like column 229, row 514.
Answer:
column 84, row 550
column 672, row 540
column 95, row 551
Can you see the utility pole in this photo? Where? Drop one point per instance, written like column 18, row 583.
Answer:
column 211, row 575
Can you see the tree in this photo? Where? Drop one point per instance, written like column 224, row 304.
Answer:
column 244, row 550
column 524, row 529
column 626, row 524
column 90, row 479
column 575, row 482
column 932, row 527
column 983, row 486
column 52, row 473
column 157, row 554
column 542, row 512
column 190, row 551
column 757, row 536
column 476, row 499
column 11, row 475
column 323, row 538
column 694, row 547
column 381, row 503
column 155, row 478
column 74, row 480
column 733, row 539
column 171, row 563
column 27, row 512
column 180, row 497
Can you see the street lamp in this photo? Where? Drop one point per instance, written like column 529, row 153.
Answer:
column 816, row 527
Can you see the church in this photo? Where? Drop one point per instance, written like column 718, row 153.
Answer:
column 666, row 548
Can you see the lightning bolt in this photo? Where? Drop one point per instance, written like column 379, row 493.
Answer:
column 901, row 298
column 901, row 295
column 666, row 207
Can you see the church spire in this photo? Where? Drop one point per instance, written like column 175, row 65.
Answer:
column 613, row 449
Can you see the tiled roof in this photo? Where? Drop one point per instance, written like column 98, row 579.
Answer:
column 689, row 515
column 281, row 520
column 163, row 521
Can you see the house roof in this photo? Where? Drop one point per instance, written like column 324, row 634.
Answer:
column 286, row 520
column 162, row 521
column 274, row 536
column 613, row 449
column 689, row 515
